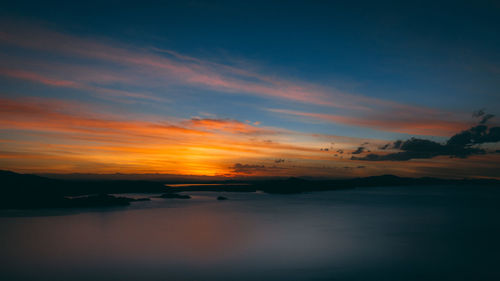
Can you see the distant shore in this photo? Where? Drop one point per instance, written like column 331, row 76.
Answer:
column 25, row 191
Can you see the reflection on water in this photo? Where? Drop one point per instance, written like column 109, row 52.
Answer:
column 397, row 233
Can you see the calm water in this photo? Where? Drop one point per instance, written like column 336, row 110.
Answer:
column 396, row 233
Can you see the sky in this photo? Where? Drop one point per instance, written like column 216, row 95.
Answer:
column 322, row 89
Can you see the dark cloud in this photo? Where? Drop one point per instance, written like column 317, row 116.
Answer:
column 324, row 149
column 279, row 161
column 397, row 144
column 359, row 150
column 340, row 151
column 460, row 145
column 483, row 115
column 251, row 169
column 486, row 118
column 247, row 168
column 478, row 113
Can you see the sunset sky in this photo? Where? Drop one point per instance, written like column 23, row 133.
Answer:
column 251, row 88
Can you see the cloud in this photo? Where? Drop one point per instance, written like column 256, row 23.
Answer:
column 478, row 113
column 76, row 136
column 98, row 91
column 397, row 121
column 166, row 67
column 64, row 117
column 460, row 145
column 385, row 146
column 169, row 65
column 228, row 125
column 35, row 77
column 483, row 115
column 486, row 118
column 247, row 168
column 397, row 144
column 359, row 150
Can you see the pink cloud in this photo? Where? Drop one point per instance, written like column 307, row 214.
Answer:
column 35, row 77
column 394, row 123
column 38, row 78
column 178, row 68
column 227, row 125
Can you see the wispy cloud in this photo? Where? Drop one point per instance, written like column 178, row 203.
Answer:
column 35, row 77
column 40, row 135
column 228, row 125
column 95, row 90
column 74, row 133
column 74, row 136
column 169, row 67
column 415, row 125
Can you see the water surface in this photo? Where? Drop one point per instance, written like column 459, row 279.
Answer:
column 386, row 233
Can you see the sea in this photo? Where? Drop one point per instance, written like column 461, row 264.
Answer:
column 369, row 233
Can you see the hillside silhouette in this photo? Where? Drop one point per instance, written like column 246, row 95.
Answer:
column 25, row 191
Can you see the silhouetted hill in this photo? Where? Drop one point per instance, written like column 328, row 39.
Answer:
column 297, row 185
column 31, row 191
column 22, row 183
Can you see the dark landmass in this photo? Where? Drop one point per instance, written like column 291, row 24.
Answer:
column 24, row 191
column 163, row 178
column 100, row 200
column 14, row 182
column 21, row 191
column 297, row 185
column 87, row 201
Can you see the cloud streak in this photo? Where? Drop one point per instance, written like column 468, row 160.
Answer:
column 168, row 65
column 74, row 136
column 77, row 136
column 42, row 79
column 400, row 124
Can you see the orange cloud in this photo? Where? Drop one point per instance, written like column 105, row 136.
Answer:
column 53, row 115
column 69, row 137
column 72, row 134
